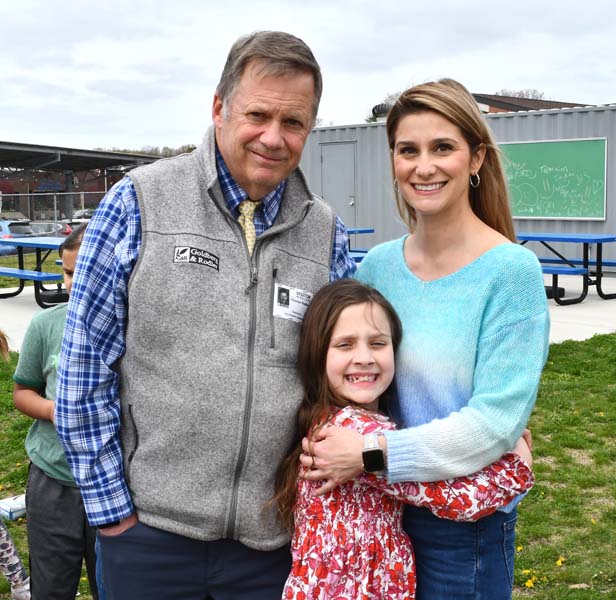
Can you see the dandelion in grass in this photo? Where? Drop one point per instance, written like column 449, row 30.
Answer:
column 561, row 561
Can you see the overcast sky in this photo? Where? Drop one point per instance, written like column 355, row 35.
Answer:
column 134, row 73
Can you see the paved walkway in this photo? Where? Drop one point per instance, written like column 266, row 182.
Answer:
column 575, row 322
column 581, row 321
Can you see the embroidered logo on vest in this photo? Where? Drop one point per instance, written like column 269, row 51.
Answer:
column 186, row 254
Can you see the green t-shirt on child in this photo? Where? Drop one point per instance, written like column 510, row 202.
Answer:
column 37, row 368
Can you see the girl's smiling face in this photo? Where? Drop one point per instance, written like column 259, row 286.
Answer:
column 360, row 357
column 433, row 163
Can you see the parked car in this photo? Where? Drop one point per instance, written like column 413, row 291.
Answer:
column 45, row 229
column 84, row 213
column 14, row 228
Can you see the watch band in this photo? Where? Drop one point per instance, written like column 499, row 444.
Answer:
column 371, row 441
column 372, row 455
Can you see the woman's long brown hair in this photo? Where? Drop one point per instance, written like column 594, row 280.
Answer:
column 318, row 397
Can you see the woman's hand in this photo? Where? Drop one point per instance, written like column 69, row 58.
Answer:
column 524, row 447
column 333, row 455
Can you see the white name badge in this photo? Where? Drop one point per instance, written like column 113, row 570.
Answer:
column 290, row 303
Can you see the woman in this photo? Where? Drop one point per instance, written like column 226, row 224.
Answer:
column 476, row 323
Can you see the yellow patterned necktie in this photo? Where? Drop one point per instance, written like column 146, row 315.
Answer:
column 246, row 220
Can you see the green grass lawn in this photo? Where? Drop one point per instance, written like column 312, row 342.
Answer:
column 567, row 524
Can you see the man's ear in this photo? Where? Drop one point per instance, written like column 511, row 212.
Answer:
column 217, row 111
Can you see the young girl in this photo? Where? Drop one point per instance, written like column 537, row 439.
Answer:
column 349, row 543
column 10, row 563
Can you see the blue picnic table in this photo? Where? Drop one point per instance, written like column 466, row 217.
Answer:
column 43, row 246
column 557, row 264
column 357, row 254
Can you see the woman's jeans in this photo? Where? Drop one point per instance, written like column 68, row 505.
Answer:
column 462, row 561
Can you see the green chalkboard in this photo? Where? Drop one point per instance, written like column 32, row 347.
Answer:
column 562, row 179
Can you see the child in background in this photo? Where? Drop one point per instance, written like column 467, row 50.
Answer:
column 59, row 536
column 349, row 543
column 10, row 563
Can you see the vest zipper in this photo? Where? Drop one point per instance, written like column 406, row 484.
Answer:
column 272, row 322
column 252, row 290
column 253, row 279
column 134, row 450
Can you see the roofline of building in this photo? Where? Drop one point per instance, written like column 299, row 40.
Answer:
column 76, row 151
column 591, row 108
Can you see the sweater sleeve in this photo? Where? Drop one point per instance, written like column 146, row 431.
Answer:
column 464, row 498
column 511, row 352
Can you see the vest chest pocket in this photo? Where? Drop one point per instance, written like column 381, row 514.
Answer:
column 287, row 305
column 294, row 279
column 284, row 340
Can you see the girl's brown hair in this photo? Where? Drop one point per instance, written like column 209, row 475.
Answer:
column 318, row 398
column 451, row 100
column 4, row 346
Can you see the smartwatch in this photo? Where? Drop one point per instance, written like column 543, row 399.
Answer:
column 372, row 455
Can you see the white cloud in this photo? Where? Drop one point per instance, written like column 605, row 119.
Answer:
column 119, row 74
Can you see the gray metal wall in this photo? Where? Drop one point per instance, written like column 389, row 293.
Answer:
column 373, row 196
column 374, row 204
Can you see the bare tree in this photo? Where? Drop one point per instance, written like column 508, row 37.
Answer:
column 165, row 151
column 383, row 107
column 530, row 93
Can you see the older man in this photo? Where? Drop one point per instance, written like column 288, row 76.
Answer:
column 178, row 388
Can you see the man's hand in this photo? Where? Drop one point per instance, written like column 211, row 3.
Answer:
column 121, row 527
column 333, row 455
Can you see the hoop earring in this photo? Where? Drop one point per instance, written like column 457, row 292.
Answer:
column 396, row 186
column 474, row 184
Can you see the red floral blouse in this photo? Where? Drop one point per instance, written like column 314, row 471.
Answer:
column 349, row 544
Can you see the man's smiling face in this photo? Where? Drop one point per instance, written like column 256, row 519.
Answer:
column 261, row 130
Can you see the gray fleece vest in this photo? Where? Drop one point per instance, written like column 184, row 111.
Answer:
column 209, row 388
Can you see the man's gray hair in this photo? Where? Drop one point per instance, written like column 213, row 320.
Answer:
column 278, row 53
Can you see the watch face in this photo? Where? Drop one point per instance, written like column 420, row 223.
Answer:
column 373, row 460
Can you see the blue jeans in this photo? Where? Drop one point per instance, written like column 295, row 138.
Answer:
column 462, row 561
column 99, row 570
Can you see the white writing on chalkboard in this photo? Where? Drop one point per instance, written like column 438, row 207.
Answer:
column 563, row 179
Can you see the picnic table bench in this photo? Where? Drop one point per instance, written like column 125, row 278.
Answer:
column 27, row 274
column 44, row 297
column 575, row 261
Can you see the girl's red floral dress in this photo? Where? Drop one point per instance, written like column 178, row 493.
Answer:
column 349, row 544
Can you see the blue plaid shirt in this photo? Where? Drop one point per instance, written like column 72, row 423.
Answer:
column 88, row 402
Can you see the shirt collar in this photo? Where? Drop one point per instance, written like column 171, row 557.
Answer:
column 234, row 194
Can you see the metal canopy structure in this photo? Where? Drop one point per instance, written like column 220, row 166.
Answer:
column 52, row 158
